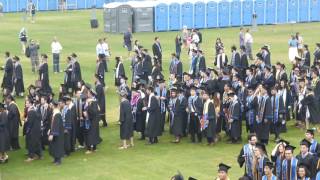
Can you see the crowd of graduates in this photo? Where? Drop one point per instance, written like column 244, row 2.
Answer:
column 199, row 101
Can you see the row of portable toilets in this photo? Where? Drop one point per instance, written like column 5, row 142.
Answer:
column 170, row 15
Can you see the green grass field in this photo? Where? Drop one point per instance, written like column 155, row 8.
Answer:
column 156, row 162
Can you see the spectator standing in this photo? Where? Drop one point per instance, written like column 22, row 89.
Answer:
column 32, row 53
column 23, row 39
column 248, row 40
column 56, row 50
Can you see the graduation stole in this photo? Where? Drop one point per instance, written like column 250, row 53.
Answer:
column 55, row 112
column 248, row 153
column 21, row 115
column 117, row 70
column 278, row 165
column 275, row 108
column 273, row 177
column 261, row 166
column 149, row 104
column 172, row 105
column 231, row 109
column 262, row 105
column 204, row 121
column 313, row 146
column 163, row 94
column 250, row 113
column 293, row 172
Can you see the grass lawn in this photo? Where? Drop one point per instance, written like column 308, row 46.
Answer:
column 160, row 161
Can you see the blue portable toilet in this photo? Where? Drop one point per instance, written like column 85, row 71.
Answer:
column 99, row 3
column 82, row 4
column 271, row 11
column 22, row 4
column 52, row 5
column 292, row 10
column 199, row 15
column 236, row 13
column 42, row 5
column 314, row 10
column 282, row 13
column 259, row 9
column 247, row 11
column 174, row 16
column 224, row 13
column 303, row 10
column 4, row 4
column 161, row 17
column 212, row 14
column 12, row 5
column 187, row 14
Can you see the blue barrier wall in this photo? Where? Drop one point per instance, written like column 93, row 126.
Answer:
column 224, row 13
column 271, row 11
column 187, row 14
column 174, row 16
column 199, row 15
column 247, row 11
column 282, row 13
column 303, row 10
column 292, row 10
column 236, row 13
column 212, row 14
column 161, row 17
column 259, row 8
column 314, row 10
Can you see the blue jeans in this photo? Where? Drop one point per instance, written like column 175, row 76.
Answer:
column 56, row 60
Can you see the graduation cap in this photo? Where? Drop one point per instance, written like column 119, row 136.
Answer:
column 2, row 106
column 74, row 55
column 269, row 164
column 284, row 142
column 55, row 102
column 231, row 94
column 192, row 178
column 242, row 47
column 262, row 147
column 268, row 67
column 188, row 74
column 265, row 47
column 259, row 56
column 44, row 56
column 16, row 58
column 310, row 131
column 124, row 77
column 9, row 96
column 117, row 58
column 290, row 147
column 174, row 89
column 31, row 87
column 178, row 176
column 318, row 44
column 305, row 142
column 223, row 167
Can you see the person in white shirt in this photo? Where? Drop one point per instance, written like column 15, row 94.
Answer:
column 102, row 51
column 248, row 41
column 195, row 38
column 56, row 50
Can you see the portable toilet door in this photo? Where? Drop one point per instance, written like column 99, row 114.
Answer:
column 247, row 11
column 161, row 17
column 271, row 11
column 292, row 10
column 224, row 13
column 22, row 4
column 82, row 4
column 314, row 10
column 53, row 5
column 236, row 13
column 212, row 14
column 174, row 16
column 124, row 16
column 12, row 5
column 282, row 11
column 187, row 14
column 42, row 5
column 199, row 15
column 259, row 9
column 4, row 5
column 99, row 3
column 303, row 10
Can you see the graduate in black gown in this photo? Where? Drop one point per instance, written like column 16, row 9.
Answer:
column 67, row 124
column 119, row 71
column 126, row 121
column 100, row 69
column 73, row 118
column 45, row 113
column 264, row 115
column 208, row 119
column 153, row 123
column 162, row 94
column 314, row 148
column 56, row 135
column 76, row 72
column 146, row 65
column 289, row 164
column 67, row 76
column 7, row 84
column 277, row 156
column 91, row 114
column 278, row 111
column 139, row 114
column 176, row 116
column 101, row 98
column 306, row 158
column 259, row 160
column 234, row 120
column 195, row 110
column 32, row 128
column 14, row 122
column 18, row 77
column 4, row 134
column 183, row 110
column 44, row 74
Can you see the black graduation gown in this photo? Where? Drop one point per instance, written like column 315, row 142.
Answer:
column 157, row 50
column 184, row 114
column 244, row 61
column 73, row 133
column 101, row 70
column 194, row 121
column 121, row 73
column 67, row 131
column 19, row 84
column 33, row 131
column 76, row 74
column 262, row 129
column 176, row 119
column 92, row 136
column 234, row 109
column 101, row 99
column 140, row 125
column 316, row 91
column 126, row 120
column 46, row 117
column 313, row 107
column 267, row 59
column 7, row 77
column 67, row 78
column 56, row 146
column 13, row 120
column 44, row 77
column 307, row 59
column 210, row 131
column 153, row 126
column 4, row 134
column 237, row 60
column 202, row 64
column 179, row 70
column 156, row 73
column 146, row 66
column 310, row 162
